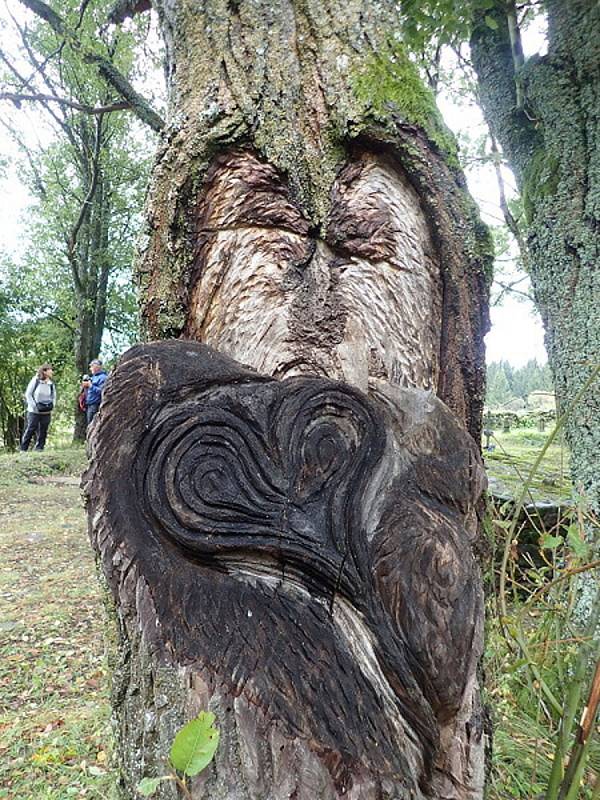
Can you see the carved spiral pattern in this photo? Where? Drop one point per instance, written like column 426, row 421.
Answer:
column 272, row 466
column 301, row 541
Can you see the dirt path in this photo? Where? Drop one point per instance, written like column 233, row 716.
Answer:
column 54, row 731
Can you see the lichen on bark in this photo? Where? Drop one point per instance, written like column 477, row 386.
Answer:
column 551, row 146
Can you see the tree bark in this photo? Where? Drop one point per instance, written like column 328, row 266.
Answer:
column 551, row 146
column 286, row 519
column 94, row 269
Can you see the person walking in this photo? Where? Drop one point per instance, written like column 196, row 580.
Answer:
column 41, row 401
column 94, row 387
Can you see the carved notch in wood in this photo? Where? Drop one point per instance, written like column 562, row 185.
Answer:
column 298, row 545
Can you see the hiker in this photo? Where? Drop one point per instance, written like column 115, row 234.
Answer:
column 41, row 400
column 94, row 387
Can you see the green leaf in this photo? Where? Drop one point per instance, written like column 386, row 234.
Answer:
column 195, row 745
column 148, row 786
column 491, row 23
column 576, row 543
column 551, row 542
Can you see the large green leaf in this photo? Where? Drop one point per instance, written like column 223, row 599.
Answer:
column 195, row 745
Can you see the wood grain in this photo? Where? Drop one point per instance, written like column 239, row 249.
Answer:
column 306, row 553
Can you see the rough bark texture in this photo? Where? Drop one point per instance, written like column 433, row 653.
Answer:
column 303, row 555
column 315, row 587
column 552, row 147
column 293, row 84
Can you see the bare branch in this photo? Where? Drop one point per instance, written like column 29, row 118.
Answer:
column 508, row 288
column 511, row 222
column 17, row 98
column 516, row 48
column 138, row 104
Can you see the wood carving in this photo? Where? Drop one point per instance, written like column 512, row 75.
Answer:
column 282, row 495
column 363, row 299
column 305, row 552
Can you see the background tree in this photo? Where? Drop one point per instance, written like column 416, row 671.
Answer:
column 88, row 182
column 505, row 382
column 543, row 112
column 24, row 346
column 498, row 389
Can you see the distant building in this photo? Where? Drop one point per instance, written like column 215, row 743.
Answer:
column 514, row 404
column 541, row 400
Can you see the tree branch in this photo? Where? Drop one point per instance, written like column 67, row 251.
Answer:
column 127, row 8
column 138, row 105
column 495, row 59
column 61, row 321
column 511, row 222
column 85, row 206
column 44, row 11
column 18, row 97
column 27, row 82
column 37, row 178
column 508, row 288
column 516, row 49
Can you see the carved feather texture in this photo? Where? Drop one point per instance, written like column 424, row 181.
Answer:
column 304, row 544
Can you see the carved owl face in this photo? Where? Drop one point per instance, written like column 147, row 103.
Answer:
column 361, row 297
column 307, row 545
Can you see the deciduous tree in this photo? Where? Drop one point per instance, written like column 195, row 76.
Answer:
column 86, row 174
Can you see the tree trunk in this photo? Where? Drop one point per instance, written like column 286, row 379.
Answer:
column 551, row 145
column 286, row 519
column 94, row 269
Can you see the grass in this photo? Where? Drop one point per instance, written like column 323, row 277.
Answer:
column 542, row 624
column 54, row 710
column 513, row 456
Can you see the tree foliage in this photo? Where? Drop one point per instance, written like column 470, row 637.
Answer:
column 86, row 170
column 25, row 344
column 505, row 382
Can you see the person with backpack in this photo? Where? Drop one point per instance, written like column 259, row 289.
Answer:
column 94, row 386
column 40, row 396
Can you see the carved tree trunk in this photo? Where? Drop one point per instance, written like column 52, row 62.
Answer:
column 286, row 517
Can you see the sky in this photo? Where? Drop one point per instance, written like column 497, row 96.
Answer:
column 516, row 333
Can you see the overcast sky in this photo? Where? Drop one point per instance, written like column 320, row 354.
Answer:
column 516, row 334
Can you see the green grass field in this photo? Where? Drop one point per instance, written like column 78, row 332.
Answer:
column 55, row 736
column 54, row 710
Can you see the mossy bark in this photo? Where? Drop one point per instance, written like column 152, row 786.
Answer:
column 552, row 146
column 279, row 114
column 303, row 85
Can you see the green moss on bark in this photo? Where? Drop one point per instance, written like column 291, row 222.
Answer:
column 389, row 83
column 540, row 179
